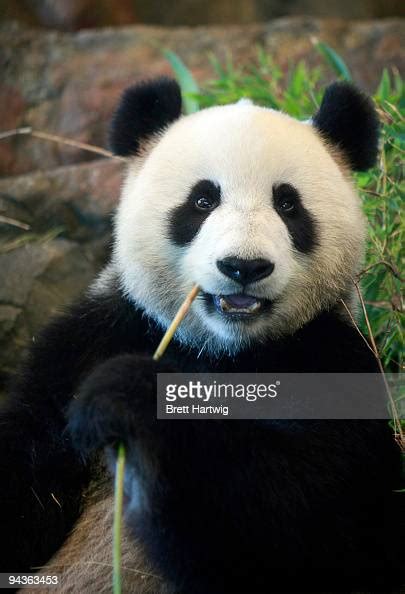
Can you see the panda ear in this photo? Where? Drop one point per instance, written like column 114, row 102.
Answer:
column 347, row 119
column 144, row 110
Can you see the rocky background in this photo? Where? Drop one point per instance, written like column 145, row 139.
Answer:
column 56, row 201
column 76, row 14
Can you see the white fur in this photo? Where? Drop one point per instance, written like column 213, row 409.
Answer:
column 245, row 149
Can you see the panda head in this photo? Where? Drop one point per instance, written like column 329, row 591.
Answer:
column 255, row 207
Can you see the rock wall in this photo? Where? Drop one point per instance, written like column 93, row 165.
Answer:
column 76, row 14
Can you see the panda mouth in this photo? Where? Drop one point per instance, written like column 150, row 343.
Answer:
column 237, row 304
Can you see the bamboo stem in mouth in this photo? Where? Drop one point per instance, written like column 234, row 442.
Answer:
column 168, row 335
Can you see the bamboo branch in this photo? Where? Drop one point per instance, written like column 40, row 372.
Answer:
column 357, row 326
column 117, row 527
column 388, row 265
column 91, row 148
column 399, row 432
column 14, row 223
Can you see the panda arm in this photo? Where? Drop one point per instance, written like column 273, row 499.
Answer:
column 116, row 402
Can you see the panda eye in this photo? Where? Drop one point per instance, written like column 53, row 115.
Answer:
column 287, row 205
column 285, row 198
column 205, row 196
column 205, row 203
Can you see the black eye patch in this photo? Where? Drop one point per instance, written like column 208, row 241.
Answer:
column 185, row 220
column 299, row 222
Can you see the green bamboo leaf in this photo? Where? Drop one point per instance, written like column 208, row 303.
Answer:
column 333, row 59
column 216, row 65
column 298, row 77
column 398, row 85
column 384, row 88
column 186, row 81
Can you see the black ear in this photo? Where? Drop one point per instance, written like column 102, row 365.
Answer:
column 144, row 109
column 347, row 118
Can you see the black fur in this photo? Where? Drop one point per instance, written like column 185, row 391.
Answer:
column 347, row 118
column 186, row 219
column 44, row 476
column 145, row 109
column 237, row 506
column 299, row 222
column 225, row 531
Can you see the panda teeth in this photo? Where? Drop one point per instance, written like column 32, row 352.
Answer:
column 228, row 308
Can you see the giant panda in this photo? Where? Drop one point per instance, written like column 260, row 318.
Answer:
column 260, row 210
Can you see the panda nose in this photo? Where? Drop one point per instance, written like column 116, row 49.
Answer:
column 245, row 272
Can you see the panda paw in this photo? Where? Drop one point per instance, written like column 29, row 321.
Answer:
column 115, row 402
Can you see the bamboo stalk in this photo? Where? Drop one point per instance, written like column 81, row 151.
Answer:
column 117, row 524
column 398, row 431
column 120, row 464
column 185, row 306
